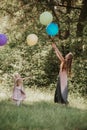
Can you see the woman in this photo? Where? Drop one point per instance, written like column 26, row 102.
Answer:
column 61, row 93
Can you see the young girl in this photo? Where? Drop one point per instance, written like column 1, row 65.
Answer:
column 61, row 93
column 18, row 92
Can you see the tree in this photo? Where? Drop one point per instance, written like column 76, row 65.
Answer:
column 23, row 16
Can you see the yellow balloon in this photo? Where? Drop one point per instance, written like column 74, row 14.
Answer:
column 46, row 18
column 32, row 39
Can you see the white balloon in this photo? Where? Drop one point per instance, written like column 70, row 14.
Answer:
column 32, row 39
column 46, row 18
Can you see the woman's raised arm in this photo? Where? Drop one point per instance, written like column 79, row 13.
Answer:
column 58, row 53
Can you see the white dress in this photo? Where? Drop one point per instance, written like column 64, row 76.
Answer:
column 18, row 93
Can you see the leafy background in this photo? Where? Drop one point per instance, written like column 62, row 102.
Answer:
column 20, row 18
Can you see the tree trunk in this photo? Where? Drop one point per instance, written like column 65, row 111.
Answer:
column 82, row 18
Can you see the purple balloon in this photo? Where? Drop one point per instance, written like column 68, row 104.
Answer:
column 3, row 39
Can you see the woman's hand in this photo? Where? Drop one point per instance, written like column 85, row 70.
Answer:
column 53, row 45
column 58, row 53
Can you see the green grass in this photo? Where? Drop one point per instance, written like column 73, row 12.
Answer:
column 41, row 116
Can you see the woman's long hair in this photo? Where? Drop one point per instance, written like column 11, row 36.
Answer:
column 68, row 59
column 67, row 63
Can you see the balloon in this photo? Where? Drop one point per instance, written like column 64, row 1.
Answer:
column 46, row 18
column 52, row 29
column 32, row 39
column 3, row 39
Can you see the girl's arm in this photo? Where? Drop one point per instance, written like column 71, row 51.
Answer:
column 27, row 77
column 58, row 53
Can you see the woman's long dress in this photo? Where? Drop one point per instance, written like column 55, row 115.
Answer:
column 61, row 92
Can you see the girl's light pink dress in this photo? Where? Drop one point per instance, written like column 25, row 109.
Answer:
column 18, row 93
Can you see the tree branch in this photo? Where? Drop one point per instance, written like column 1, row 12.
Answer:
column 52, row 3
column 68, row 6
column 8, row 11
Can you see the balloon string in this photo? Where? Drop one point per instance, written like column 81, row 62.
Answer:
column 52, row 38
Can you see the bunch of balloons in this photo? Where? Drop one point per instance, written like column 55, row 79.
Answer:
column 3, row 39
column 52, row 28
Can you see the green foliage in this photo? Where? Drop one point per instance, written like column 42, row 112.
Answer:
column 39, row 60
column 51, row 67
column 79, row 79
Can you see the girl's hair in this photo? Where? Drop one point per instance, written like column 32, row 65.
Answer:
column 68, row 62
column 16, row 75
column 19, row 82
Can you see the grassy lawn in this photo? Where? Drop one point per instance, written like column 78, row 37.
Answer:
column 39, row 112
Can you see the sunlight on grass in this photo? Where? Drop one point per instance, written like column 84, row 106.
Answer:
column 78, row 102
column 38, row 95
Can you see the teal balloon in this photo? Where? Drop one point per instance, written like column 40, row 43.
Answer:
column 52, row 29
